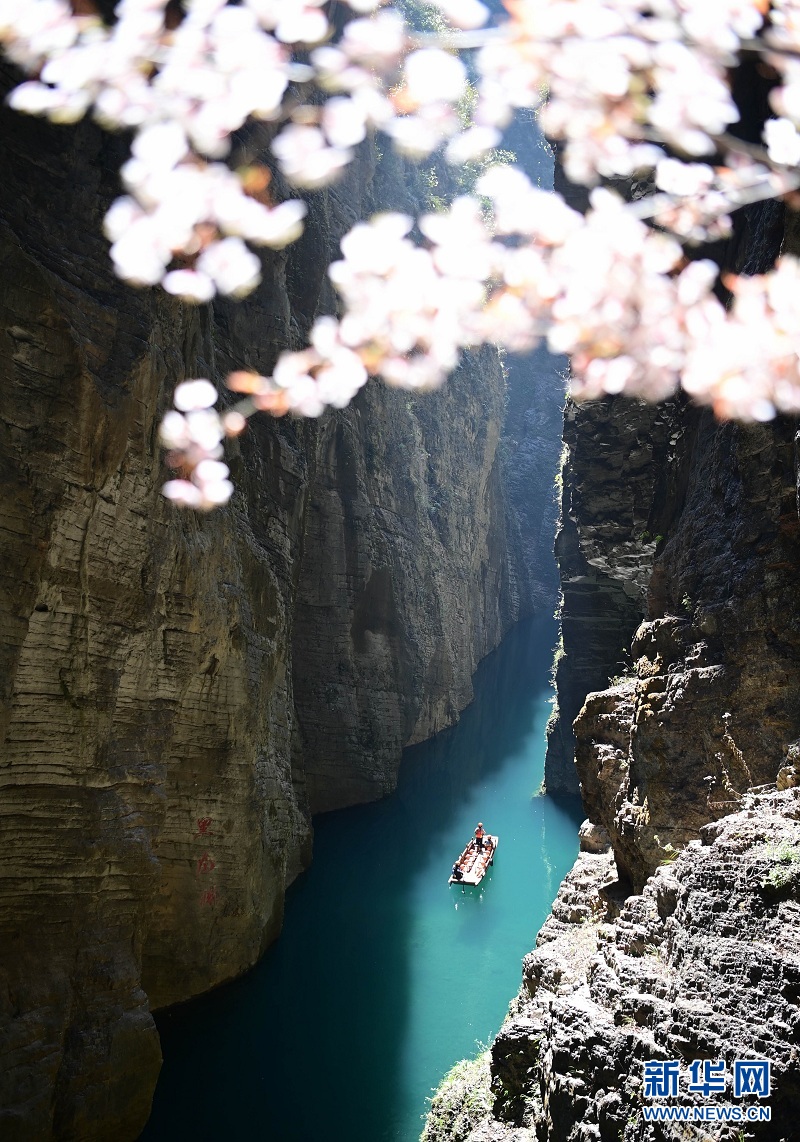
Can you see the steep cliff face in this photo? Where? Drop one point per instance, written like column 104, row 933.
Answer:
column 715, row 700
column 179, row 692
column 623, row 479
column 679, row 552
column 401, row 590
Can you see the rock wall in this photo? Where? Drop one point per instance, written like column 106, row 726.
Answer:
column 714, row 701
column 404, row 584
column 623, row 477
column 676, row 934
column 179, row 692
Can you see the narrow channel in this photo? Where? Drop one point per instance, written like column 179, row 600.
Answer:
column 384, row 976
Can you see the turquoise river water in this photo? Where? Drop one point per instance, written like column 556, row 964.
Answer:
column 384, row 976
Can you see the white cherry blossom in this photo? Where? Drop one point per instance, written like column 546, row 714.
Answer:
column 306, row 158
column 471, row 144
column 465, row 14
column 783, row 142
column 433, row 76
column 377, row 42
column 193, row 433
column 683, row 179
column 231, row 266
column 190, row 285
column 191, row 395
column 634, row 86
column 344, row 121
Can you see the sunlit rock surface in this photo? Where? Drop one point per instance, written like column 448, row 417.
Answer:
column 705, row 963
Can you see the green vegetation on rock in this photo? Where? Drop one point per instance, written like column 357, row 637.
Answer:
column 461, row 1102
column 787, row 864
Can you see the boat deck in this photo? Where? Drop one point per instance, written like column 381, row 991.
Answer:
column 474, row 862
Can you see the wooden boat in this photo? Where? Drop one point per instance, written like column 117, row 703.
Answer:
column 474, row 862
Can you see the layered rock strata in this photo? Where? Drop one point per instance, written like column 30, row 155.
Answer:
column 623, row 477
column 178, row 692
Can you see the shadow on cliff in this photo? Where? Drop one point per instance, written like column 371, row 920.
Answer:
column 321, row 1040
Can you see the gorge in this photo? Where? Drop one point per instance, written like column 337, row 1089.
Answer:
column 180, row 694
column 382, row 974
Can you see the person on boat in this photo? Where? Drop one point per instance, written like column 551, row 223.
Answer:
column 458, row 872
column 479, row 835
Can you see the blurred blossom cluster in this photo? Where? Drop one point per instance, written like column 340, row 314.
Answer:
column 629, row 88
column 605, row 288
column 193, row 433
column 327, row 374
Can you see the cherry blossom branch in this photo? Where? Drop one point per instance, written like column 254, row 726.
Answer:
column 653, row 206
column 770, row 47
column 627, row 81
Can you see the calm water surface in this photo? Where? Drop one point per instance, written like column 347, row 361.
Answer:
column 385, row 976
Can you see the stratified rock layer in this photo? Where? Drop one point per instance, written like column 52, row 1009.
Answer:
column 623, row 479
column 177, row 691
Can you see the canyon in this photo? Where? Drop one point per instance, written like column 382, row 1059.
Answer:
column 179, row 693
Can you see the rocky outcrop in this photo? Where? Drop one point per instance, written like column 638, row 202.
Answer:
column 715, row 699
column 178, row 692
column 622, row 482
column 703, row 964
